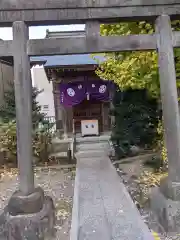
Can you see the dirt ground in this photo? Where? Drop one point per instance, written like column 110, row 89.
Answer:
column 57, row 183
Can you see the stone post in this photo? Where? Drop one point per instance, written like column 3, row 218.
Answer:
column 29, row 214
column 23, row 96
column 169, row 95
column 166, row 201
column 65, row 120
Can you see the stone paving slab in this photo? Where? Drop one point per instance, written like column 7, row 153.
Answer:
column 106, row 210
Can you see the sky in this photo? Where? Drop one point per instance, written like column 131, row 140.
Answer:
column 39, row 32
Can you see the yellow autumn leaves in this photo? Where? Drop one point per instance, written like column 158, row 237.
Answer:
column 156, row 236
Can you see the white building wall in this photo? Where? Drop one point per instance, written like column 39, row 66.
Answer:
column 46, row 98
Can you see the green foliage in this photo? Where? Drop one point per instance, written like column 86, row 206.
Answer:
column 159, row 163
column 37, row 116
column 42, row 140
column 161, row 146
column 8, row 108
column 135, row 69
column 136, row 119
column 8, row 143
column 41, row 143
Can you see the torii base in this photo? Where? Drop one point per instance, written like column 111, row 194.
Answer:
column 165, row 204
column 36, row 222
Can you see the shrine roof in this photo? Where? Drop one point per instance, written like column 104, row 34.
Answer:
column 68, row 60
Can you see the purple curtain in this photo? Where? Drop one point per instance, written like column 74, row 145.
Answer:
column 98, row 90
column 74, row 93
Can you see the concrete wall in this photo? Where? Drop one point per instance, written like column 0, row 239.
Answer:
column 46, row 98
column 6, row 77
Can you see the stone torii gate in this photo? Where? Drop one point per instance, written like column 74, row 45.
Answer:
column 29, row 204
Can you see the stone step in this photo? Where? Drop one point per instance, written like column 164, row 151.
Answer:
column 92, row 146
column 59, row 155
column 92, row 139
column 92, row 154
column 61, row 141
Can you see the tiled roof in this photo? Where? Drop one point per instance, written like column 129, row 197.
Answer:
column 69, row 60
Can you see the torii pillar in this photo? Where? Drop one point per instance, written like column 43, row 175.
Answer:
column 165, row 201
column 29, row 214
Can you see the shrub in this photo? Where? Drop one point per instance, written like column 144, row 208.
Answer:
column 159, row 163
column 8, row 143
column 136, row 119
column 42, row 140
column 41, row 143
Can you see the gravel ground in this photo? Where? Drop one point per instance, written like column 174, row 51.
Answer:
column 57, row 183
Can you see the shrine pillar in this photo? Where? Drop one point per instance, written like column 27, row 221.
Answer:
column 112, row 119
column 61, row 112
column 164, row 200
column 29, row 212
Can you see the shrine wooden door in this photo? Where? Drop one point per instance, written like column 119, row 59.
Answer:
column 88, row 109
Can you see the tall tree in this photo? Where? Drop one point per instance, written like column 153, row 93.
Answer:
column 8, row 107
column 135, row 69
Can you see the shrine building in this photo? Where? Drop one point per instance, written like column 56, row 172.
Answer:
column 81, row 99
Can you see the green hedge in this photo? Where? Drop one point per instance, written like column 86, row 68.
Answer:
column 136, row 120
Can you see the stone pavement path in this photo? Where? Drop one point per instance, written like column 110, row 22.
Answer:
column 106, row 210
column 57, row 183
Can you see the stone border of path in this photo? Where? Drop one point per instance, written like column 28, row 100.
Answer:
column 67, row 166
column 141, row 157
column 64, row 166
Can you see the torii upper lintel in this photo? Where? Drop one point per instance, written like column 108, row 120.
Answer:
column 52, row 12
